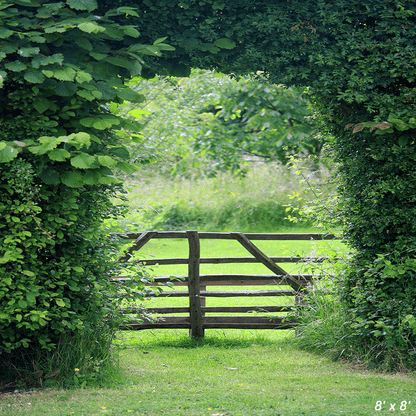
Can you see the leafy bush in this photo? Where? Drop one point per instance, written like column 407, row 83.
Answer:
column 60, row 151
column 55, row 266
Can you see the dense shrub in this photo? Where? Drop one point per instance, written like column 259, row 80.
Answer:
column 61, row 147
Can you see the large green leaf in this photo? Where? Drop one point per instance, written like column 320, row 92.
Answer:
column 108, row 180
column 34, row 77
column 98, row 56
column 90, row 27
column 50, row 177
column 41, row 60
column 86, row 94
column 48, row 143
column 27, row 3
column 131, row 31
column 225, row 43
column 100, row 123
column 106, row 160
column 124, row 63
column 138, row 113
column 83, row 76
column 91, row 177
column 128, row 94
column 80, row 139
column 5, row 33
column 84, row 43
column 15, row 66
column 59, row 155
column 26, row 52
column 41, row 104
column 72, row 179
column 8, row 153
column 120, row 152
column 9, row 47
column 127, row 167
column 65, row 88
column 83, row 161
column 66, row 74
column 88, row 5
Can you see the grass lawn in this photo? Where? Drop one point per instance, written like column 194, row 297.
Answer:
column 231, row 372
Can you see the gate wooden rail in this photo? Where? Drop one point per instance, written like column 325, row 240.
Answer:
column 197, row 319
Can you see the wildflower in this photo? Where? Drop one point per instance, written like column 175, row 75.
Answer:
column 77, row 370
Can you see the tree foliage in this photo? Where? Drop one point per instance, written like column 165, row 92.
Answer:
column 257, row 120
column 210, row 123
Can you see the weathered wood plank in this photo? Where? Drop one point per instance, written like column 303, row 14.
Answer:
column 140, row 241
column 264, row 259
column 235, row 319
column 258, row 254
column 159, row 310
column 265, row 325
column 228, row 280
column 245, row 319
column 210, row 322
column 168, row 294
column 213, row 309
column 246, row 293
column 165, row 322
column 163, row 325
column 195, row 312
column 226, row 260
column 209, row 279
column 216, row 309
column 248, row 309
column 223, row 293
column 227, row 236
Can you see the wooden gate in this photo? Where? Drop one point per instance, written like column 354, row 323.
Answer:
column 197, row 318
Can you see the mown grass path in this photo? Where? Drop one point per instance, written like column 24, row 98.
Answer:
column 233, row 373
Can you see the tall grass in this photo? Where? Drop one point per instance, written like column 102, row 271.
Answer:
column 79, row 359
column 254, row 203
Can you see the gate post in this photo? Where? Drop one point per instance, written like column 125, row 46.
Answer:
column 195, row 311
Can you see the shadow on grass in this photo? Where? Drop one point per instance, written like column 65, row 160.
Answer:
column 221, row 340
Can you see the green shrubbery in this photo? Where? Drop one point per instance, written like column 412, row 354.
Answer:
column 55, row 267
column 60, row 65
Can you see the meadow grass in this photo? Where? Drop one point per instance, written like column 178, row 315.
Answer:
column 256, row 202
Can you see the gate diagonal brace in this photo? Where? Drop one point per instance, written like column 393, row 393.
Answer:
column 138, row 244
column 269, row 263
